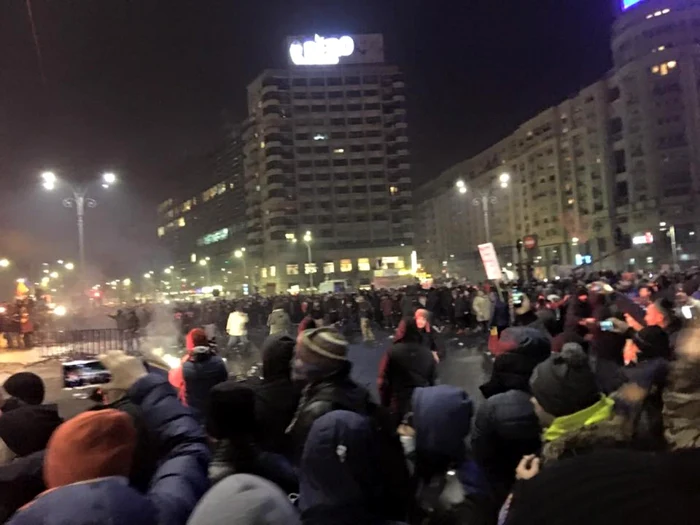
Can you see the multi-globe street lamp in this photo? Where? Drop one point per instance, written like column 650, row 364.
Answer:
column 485, row 196
column 79, row 201
column 205, row 263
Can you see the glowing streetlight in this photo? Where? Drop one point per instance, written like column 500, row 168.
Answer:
column 462, row 189
column 69, row 266
column 146, row 275
column 4, row 263
column 48, row 180
column 574, row 240
column 240, row 254
column 203, row 262
column 79, row 201
column 307, row 240
column 126, row 282
column 167, row 271
column 53, row 275
column 504, row 179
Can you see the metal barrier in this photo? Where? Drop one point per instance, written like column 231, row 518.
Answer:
column 85, row 342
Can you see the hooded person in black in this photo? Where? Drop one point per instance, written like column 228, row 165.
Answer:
column 407, row 364
column 276, row 397
column 506, row 427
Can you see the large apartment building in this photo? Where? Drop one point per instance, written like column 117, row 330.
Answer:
column 202, row 223
column 326, row 160
column 619, row 159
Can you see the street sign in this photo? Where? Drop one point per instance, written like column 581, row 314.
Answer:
column 530, row 242
column 490, row 260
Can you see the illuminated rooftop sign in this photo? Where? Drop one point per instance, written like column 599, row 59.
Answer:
column 626, row 4
column 321, row 51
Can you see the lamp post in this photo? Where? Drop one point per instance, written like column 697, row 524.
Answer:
column 240, row 254
column 308, row 239
column 4, row 263
column 205, row 263
column 484, row 198
column 671, row 232
column 79, row 201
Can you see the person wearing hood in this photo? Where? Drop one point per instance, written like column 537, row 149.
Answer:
column 340, row 477
column 244, row 499
column 506, row 427
column 278, row 321
column 577, row 417
column 276, row 397
column 89, row 457
column 26, row 424
column 231, row 422
column 406, row 365
column 451, row 488
column 321, row 364
column 201, row 369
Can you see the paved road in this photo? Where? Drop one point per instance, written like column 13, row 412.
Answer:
column 463, row 367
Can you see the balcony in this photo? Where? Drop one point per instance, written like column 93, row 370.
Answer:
column 271, row 102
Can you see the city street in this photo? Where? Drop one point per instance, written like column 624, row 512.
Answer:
column 463, row 367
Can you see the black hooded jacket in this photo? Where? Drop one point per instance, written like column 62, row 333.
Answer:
column 277, row 397
column 506, row 427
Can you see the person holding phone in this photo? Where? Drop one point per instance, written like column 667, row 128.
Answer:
column 89, row 457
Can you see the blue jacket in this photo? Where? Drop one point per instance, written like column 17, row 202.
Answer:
column 340, row 482
column 202, row 371
column 179, row 482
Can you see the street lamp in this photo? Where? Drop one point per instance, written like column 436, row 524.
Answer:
column 69, row 266
column 240, row 254
column 505, row 179
column 79, row 200
column 4, row 263
column 53, row 275
column 307, row 240
column 674, row 246
column 205, row 263
column 485, row 197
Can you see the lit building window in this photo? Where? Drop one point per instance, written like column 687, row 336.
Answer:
column 292, row 269
column 213, row 237
column 273, row 271
column 328, row 267
column 193, row 258
column 309, row 268
column 571, row 201
column 181, row 222
column 346, row 265
column 262, row 144
column 320, row 136
column 363, row 265
column 339, row 150
column 187, row 205
column 161, row 231
column 263, row 273
column 393, row 190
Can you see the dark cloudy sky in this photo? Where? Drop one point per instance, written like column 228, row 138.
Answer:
column 133, row 85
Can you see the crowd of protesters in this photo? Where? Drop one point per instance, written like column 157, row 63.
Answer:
column 591, row 414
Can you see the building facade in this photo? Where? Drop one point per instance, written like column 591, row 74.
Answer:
column 328, row 192
column 203, row 224
column 618, row 161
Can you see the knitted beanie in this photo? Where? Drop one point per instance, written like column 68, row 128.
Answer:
column 26, row 386
column 91, row 445
column 323, row 347
column 564, row 383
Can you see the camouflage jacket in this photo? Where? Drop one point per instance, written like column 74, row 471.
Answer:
column 681, row 409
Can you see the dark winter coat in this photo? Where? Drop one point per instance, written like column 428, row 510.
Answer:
column 405, row 366
column 341, row 480
column 451, row 489
column 179, row 482
column 276, row 397
column 201, row 371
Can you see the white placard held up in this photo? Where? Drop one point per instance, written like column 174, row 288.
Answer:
column 490, row 260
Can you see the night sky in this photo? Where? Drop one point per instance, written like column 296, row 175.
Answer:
column 134, row 86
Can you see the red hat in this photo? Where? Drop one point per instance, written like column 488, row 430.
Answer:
column 91, row 445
